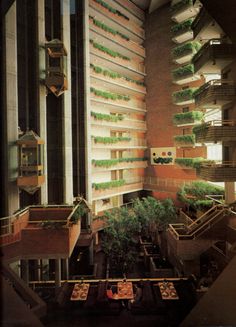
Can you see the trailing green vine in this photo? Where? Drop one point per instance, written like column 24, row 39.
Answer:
column 114, row 75
column 185, row 48
column 108, row 51
column 112, row 162
column 186, row 25
column 188, row 138
column 107, row 185
column 108, row 95
column 108, row 29
column 110, row 139
column 183, row 71
column 189, row 162
column 100, row 116
column 111, row 9
column 184, row 95
column 187, row 117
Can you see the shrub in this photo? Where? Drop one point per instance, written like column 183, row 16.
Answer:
column 109, row 95
column 187, row 117
column 184, row 95
column 189, row 162
column 100, row 116
column 183, row 71
column 186, row 25
column 188, row 138
column 107, row 185
column 108, row 51
column 110, row 139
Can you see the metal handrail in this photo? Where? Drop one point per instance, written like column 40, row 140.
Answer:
column 215, row 163
column 213, row 82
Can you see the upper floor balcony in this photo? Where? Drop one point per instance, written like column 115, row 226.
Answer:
column 185, row 74
column 182, row 32
column 120, row 81
column 115, row 17
column 184, row 9
column 216, row 131
column 109, row 34
column 218, row 171
column 116, row 57
column 187, row 118
column 118, row 164
column 215, row 94
column 118, row 143
column 183, row 54
column 184, row 97
column 214, row 56
column 119, row 122
column 107, row 189
column 205, row 27
column 43, row 231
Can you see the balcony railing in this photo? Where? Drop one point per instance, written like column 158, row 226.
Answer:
column 185, row 74
column 215, row 94
column 182, row 32
column 216, row 131
column 218, row 171
column 184, row 9
column 214, row 56
column 204, row 26
column 183, row 53
column 130, row 186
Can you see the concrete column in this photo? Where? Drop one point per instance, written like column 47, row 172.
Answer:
column 45, row 269
column 42, row 95
column 25, row 270
column 11, row 124
column 65, row 268
column 57, row 272
column 229, row 192
column 39, row 268
column 91, row 257
column 88, row 147
column 66, row 115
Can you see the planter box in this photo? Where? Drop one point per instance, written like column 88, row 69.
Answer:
column 160, row 268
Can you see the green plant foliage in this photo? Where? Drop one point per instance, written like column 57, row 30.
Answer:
column 194, row 194
column 111, row 9
column 80, row 211
column 189, row 162
column 178, row 5
column 108, row 29
column 111, row 162
column 108, row 95
column 187, row 117
column 188, row 138
column 190, row 47
column 183, row 71
column 186, row 25
column 100, row 116
column 110, row 139
column 184, row 95
column 200, row 129
column 114, row 75
column 108, row 51
column 107, row 185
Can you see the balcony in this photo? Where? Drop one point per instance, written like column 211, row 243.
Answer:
column 184, row 97
column 184, row 9
column 121, row 125
column 130, row 143
column 184, row 53
column 188, row 163
column 182, row 32
column 205, row 27
column 182, row 141
column 216, row 131
column 213, row 57
column 117, row 80
column 116, row 17
column 43, row 231
column 218, row 171
column 215, row 94
column 128, row 187
column 187, row 118
column 122, row 40
column 185, row 74
column 118, row 164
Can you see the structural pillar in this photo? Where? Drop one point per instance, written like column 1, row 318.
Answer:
column 42, row 96
column 65, row 268
column 229, row 192
column 66, row 115
column 11, row 135
column 91, row 257
column 57, row 273
column 25, row 271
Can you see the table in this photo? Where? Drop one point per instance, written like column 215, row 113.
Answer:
column 168, row 291
column 80, row 292
column 124, row 291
